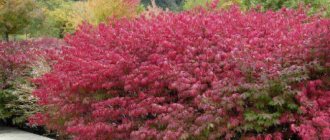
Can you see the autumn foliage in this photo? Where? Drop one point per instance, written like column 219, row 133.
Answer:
column 19, row 63
column 192, row 75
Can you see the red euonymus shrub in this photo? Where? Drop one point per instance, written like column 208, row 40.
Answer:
column 176, row 75
column 314, row 120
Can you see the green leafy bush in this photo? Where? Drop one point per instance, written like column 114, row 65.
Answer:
column 321, row 7
column 315, row 6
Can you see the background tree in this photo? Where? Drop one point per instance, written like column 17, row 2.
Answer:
column 16, row 15
column 191, row 4
column 321, row 7
column 98, row 11
column 174, row 5
column 58, row 18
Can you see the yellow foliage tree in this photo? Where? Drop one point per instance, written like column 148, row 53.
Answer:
column 191, row 4
column 58, row 18
column 16, row 15
column 98, row 11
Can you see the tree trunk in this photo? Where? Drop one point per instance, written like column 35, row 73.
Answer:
column 172, row 4
column 153, row 3
column 6, row 36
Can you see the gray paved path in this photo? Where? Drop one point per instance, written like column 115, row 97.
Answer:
column 7, row 133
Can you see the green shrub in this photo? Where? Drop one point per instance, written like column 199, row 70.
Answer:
column 316, row 6
column 321, row 7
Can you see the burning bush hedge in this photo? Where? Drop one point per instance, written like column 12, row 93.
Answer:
column 192, row 75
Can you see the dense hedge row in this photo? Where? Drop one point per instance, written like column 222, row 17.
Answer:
column 192, row 75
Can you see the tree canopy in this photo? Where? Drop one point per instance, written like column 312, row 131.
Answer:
column 16, row 15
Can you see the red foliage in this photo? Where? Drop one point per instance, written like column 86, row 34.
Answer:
column 314, row 121
column 16, row 56
column 172, row 76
